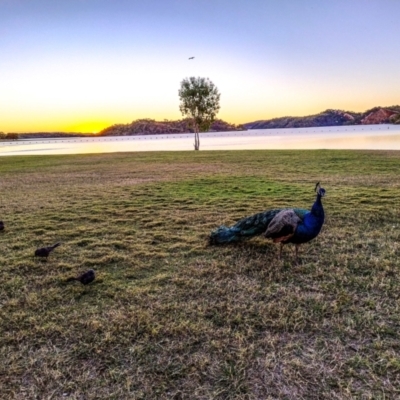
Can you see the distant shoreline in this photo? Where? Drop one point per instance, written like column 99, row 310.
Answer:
column 64, row 135
column 142, row 127
column 248, row 132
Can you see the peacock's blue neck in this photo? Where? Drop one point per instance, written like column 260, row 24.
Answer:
column 317, row 210
column 311, row 225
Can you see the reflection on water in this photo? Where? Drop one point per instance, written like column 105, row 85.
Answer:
column 369, row 137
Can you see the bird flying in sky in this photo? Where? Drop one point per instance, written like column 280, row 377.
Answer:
column 191, row 58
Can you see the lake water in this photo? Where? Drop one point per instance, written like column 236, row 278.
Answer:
column 366, row 137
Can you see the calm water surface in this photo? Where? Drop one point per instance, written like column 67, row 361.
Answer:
column 368, row 137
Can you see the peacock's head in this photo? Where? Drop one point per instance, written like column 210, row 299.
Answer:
column 319, row 190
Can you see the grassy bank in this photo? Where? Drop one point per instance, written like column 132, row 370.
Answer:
column 171, row 318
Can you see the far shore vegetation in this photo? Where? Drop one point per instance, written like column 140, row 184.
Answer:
column 147, row 126
column 169, row 317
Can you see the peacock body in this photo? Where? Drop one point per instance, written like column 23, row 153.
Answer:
column 248, row 227
column 282, row 225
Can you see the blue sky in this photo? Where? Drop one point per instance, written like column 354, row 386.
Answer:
column 82, row 65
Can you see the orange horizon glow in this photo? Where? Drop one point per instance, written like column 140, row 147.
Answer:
column 94, row 125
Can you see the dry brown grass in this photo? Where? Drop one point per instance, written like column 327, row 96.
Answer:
column 171, row 318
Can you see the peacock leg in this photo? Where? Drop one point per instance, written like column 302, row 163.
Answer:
column 297, row 252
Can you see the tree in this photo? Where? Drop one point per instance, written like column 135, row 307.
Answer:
column 12, row 136
column 200, row 102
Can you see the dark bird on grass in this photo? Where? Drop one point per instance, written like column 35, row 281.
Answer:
column 1, row 226
column 191, row 58
column 45, row 251
column 86, row 278
column 282, row 225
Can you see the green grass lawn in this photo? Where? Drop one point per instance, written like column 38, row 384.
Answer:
column 169, row 317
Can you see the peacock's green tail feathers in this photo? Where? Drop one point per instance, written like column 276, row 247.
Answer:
column 248, row 227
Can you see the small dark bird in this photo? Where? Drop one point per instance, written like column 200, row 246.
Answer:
column 282, row 225
column 1, row 226
column 45, row 251
column 191, row 58
column 86, row 278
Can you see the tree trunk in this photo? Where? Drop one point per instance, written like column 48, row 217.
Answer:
column 196, row 138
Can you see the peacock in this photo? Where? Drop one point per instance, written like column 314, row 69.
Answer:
column 282, row 225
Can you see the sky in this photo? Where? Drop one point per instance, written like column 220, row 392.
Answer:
column 83, row 65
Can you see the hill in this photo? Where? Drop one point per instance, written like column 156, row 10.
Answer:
column 139, row 127
column 376, row 115
column 152, row 127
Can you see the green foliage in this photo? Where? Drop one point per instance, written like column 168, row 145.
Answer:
column 199, row 100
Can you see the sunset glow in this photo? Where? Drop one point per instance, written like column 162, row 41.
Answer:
column 81, row 66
